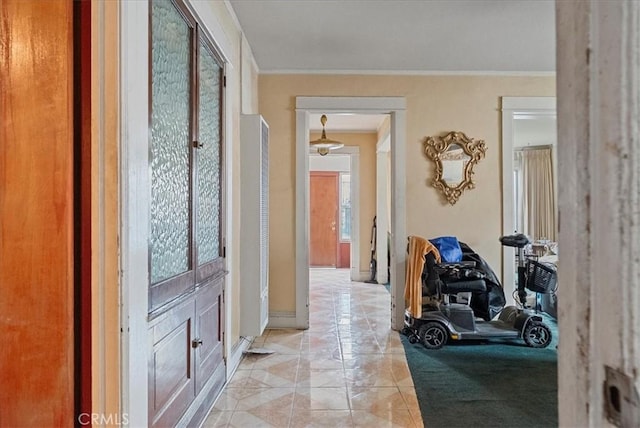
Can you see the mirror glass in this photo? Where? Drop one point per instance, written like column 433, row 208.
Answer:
column 454, row 161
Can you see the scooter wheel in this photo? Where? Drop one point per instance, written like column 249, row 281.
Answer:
column 433, row 335
column 537, row 335
column 413, row 338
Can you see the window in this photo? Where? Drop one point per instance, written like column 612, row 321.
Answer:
column 345, row 207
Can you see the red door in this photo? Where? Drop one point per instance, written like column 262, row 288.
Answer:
column 324, row 218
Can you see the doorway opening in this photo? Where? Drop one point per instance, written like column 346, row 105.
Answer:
column 394, row 107
column 528, row 128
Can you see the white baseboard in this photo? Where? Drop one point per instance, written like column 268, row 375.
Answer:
column 236, row 355
column 282, row 320
column 364, row 276
column 382, row 279
column 196, row 408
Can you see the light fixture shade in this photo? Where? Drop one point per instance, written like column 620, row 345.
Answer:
column 324, row 145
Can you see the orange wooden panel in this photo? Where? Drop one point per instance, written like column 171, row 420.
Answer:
column 36, row 220
column 323, row 190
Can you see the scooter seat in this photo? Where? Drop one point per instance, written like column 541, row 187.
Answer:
column 476, row 285
column 518, row 240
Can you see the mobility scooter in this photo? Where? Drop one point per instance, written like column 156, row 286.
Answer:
column 465, row 300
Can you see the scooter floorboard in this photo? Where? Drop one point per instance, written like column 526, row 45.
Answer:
column 492, row 330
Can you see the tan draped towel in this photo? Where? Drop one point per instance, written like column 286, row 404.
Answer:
column 418, row 248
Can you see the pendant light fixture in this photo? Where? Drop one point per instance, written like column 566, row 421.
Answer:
column 324, row 145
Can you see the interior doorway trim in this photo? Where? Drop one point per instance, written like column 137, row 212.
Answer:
column 382, row 208
column 512, row 107
column 395, row 107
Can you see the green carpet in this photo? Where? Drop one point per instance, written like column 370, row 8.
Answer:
column 486, row 384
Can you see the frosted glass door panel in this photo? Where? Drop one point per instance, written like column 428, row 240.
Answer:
column 170, row 138
column 208, row 217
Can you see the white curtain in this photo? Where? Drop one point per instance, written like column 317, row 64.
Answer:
column 536, row 199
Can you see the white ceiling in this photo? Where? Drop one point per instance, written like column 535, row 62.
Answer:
column 397, row 36
column 400, row 36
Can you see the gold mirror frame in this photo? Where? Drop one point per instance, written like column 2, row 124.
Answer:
column 436, row 147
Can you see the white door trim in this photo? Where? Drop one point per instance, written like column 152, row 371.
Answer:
column 135, row 202
column 395, row 106
column 382, row 208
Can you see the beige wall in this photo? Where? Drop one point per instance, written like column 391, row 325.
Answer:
column 366, row 143
column 435, row 104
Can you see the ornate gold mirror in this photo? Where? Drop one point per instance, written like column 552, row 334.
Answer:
column 454, row 155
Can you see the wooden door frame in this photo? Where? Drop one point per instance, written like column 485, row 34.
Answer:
column 335, row 174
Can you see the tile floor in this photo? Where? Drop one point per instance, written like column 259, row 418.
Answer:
column 347, row 370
